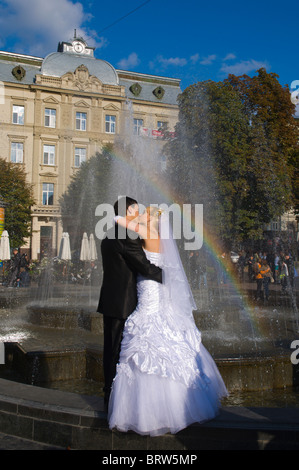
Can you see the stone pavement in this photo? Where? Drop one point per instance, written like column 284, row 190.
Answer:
column 8, row 442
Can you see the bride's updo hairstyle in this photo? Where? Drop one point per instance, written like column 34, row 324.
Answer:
column 154, row 213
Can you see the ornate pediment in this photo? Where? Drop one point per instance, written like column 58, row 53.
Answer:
column 50, row 100
column 82, row 80
column 81, row 104
column 111, row 107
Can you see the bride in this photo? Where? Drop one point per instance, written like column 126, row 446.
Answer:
column 166, row 379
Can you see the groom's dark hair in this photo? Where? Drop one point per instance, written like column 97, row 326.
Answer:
column 122, row 204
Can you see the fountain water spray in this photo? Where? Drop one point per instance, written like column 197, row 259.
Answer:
column 249, row 342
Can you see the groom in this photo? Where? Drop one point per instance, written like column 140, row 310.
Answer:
column 123, row 258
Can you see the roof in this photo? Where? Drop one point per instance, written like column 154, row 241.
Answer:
column 138, row 86
column 150, row 87
column 7, row 67
column 59, row 63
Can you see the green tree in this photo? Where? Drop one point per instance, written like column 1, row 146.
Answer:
column 101, row 180
column 18, row 198
column 235, row 140
column 275, row 137
column 88, row 188
column 294, row 161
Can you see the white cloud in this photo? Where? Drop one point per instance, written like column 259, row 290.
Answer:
column 181, row 61
column 243, row 67
column 229, row 56
column 36, row 26
column 194, row 58
column 208, row 60
column 162, row 63
column 130, row 62
column 176, row 61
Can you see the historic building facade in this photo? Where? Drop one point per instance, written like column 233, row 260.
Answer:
column 58, row 111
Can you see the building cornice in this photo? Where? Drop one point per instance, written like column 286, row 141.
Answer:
column 143, row 77
column 21, row 58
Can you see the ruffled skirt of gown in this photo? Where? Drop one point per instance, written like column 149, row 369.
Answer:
column 166, row 379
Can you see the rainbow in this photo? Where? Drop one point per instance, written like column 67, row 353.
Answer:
column 213, row 247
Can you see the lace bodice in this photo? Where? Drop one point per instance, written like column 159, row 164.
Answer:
column 160, row 346
column 148, row 291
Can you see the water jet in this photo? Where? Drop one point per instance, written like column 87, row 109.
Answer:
column 53, row 333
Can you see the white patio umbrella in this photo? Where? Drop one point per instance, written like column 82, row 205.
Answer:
column 65, row 248
column 65, row 251
column 4, row 246
column 92, row 248
column 85, row 251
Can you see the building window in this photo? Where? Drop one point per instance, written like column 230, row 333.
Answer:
column 110, row 124
column 162, row 125
column 48, row 194
column 275, row 225
column 18, row 115
column 16, row 152
column 81, row 121
column 80, row 156
column 138, row 125
column 49, row 155
column 50, row 117
column 162, row 162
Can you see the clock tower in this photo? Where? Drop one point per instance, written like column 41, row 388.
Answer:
column 76, row 46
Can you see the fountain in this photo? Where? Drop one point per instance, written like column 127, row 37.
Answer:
column 53, row 334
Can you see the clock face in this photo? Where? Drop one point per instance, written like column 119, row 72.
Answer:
column 78, row 47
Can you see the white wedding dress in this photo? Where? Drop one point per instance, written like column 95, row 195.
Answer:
column 166, row 379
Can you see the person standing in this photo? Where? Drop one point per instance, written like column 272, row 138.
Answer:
column 265, row 271
column 166, row 380
column 258, row 278
column 123, row 258
column 291, row 270
column 287, row 274
column 15, row 268
column 276, row 268
column 250, row 264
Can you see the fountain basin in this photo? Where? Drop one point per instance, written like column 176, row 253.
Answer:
column 65, row 317
column 46, row 367
column 40, row 367
column 62, row 340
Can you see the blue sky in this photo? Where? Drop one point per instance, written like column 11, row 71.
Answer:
column 190, row 40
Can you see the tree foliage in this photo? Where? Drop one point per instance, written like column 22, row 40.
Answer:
column 236, row 148
column 88, row 188
column 18, row 198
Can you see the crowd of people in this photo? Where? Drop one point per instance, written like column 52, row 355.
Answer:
column 21, row 272
column 263, row 268
column 266, row 268
column 18, row 270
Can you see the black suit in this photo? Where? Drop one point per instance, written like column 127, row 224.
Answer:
column 123, row 259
